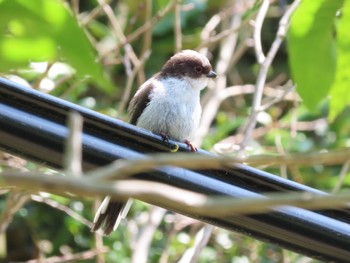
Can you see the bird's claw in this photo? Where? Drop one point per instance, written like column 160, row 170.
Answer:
column 165, row 137
column 191, row 146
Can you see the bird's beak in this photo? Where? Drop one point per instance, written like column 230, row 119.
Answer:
column 212, row 74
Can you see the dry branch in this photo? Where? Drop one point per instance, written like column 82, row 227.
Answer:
column 171, row 197
column 265, row 65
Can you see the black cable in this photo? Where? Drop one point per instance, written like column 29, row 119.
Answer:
column 32, row 125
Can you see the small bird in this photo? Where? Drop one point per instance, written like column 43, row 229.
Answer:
column 167, row 104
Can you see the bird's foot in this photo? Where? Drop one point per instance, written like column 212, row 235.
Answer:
column 191, row 146
column 164, row 136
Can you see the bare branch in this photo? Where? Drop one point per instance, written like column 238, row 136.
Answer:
column 261, row 79
column 130, row 81
column 63, row 208
column 177, row 26
column 86, row 19
column 98, row 236
column 143, row 243
column 277, row 99
column 112, row 19
column 125, row 168
column 342, row 175
column 260, row 57
column 147, row 43
column 148, row 25
column 172, row 197
column 118, row 32
column 75, row 7
column 228, row 144
column 70, row 257
column 15, row 201
column 222, row 35
column 72, row 156
column 281, row 151
column 276, row 94
column 201, row 240
column 227, row 49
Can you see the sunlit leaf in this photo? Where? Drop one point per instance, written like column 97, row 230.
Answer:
column 15, row 50
column 340, row 90
column 312, row 49
column 45, row 30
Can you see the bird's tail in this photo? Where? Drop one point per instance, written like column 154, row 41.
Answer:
column 109, row 214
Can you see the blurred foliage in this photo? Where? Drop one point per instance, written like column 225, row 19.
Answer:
column 311, row 40
column 342, row 76
column 324, row 54
column 45, row 31
column 53, row 46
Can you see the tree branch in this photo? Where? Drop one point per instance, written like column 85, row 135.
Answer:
column 172, row 197
column 261, row 79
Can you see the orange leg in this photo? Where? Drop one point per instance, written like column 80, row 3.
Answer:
column 191, row 146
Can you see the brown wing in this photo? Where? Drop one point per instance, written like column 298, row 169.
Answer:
column 139, row 102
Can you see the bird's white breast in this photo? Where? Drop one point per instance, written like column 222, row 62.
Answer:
column 174, row 109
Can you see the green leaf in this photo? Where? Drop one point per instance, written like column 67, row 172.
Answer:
column 14, row 50
column 312, row 49
column 340, row 90
column 45, row 30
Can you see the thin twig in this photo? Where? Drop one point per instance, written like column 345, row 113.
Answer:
column 143, row 243
column 277, row 99
column 147, row 37
column 99, row 245
column 222, row 35
column 261, row 79
column 277, row 94
column 70, row 257
column 122, row 169
column 207, row 31
column 63, row 208
column 15, row 200
column 281, row 151
column 259, row 53
column 125, row 168
column 147, row 43
column 177, row 26
column 98, row 236
column 226, row 145
column 112, row 19
column 75, row 7
column 118, row 32
column 213, row 22
column 129, row 51
column 73, row 156
column 172, row 197
column 148, row 25
column 130, row 81
column 37, row 82
column 177, row 223
column 227, row 49
column 201, row 240
column 240, row 51
column 86, row 19
column 342, row 175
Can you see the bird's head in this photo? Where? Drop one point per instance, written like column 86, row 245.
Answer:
column 189, row 65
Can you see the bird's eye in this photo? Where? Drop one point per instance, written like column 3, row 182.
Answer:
column 198, row 69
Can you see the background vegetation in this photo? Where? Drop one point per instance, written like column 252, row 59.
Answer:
column 96, row 54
